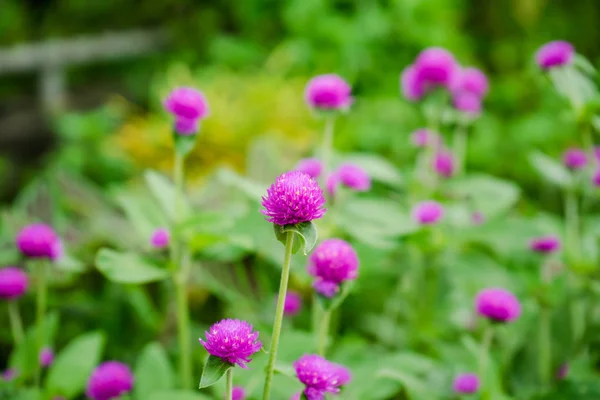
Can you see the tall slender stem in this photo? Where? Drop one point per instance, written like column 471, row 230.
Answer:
column 41, row 302
column 324, row 332
column 545, row 350
column 588, row 146
column 229, row 384
column 484, row 356
column 285, row 274
column 16, row 325
column 572, row 220
column 460, row 147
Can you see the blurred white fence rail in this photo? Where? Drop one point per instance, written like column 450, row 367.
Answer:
column 51, row 58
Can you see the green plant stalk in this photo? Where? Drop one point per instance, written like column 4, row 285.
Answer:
column 41, row 304
column 484, row 356
column 327, row 146
column 324, row 332
column 572, row 220
column 460, row 147
column 588, row 145
column 283, row 284
column 16, row 325
column 545, row 350
column 229, row 384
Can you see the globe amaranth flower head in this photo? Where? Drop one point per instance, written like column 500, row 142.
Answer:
column 554, row 54
column 39, row 241
column 467, row 103
column 435, row 66
column 110, row 380
column 233, row 341
column 188, row 106
column 354, row 177
column 428, row 212
column 320, row 376
column 333, row 262
column 499, row 305
column 574, row 158
column 311, row 166
column 46, row 357
column 410, row 86
column 545, row 244
column 160, row 238
column 423, row 137
column 292, row 304
column 13, row 283
column 443, row 163
column 328, row 92
column 295, row 197
column 466, row 384
column 238, row 393
column 470, row 80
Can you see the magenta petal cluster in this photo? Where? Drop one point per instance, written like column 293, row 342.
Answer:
column 574, row 158
column 497, row 304
column 188, row 106
column 333, row 262
column 424, row 137
column 110, row 380
column 238, row 393
column 292, row 304
column 410, row 87
column 428, row 212
column 466, row 384
column 46, row 357
column 13, row 283
column 328, row 92
column 354, row 177
column 320, row 376
column 435, row 66
column 311, row 166
column 443, row 163
column 545, row 244
column 468, row 103
column 39, row 241
column 470, row 80
column 295, row 197
column 554, row 54
column 160, row 238
column 233, row 341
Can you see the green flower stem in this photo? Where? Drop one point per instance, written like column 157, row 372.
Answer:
column 484, row 356
column 41, row 304
column 545, row 350
column 572, row 220
column 327, row 146
column 460, row 147
column 283, row 284
column 229, row 384
column 588, row 146
column 179, row 274
column 16, row 325
column 324, row 332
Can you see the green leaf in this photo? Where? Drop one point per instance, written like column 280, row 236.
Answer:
column 153, row 372
column 550, row 169
column 162, row 190
column 378, row 168
column 176, row 395
column 487, row 194
column 70, row 371
column 128, row 268
column 307, row 232
column 214, row 369
column 184, row 144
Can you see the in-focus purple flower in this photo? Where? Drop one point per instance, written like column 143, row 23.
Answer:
column 110, row 380
column 478, row 218
column 562, row 372
column 423, row 137
column 443, row 163
column 46, row 357
column 554, row 54
column 435, row 66
column 411, row 88
column 160, row 238
column 470, row 80
column 497, row 304
column 292, row 304
column 39, row 241
column 545, row 244
column 310, row 166
column 13, row 283
column 468, row 103
column 238, row 393
column 233, row 341
column 320, row 376
column 466, row 384
column 354, row 177
column 328, row 92
column 428, row 212
column 187, row 103
column 333, row 262
column 295, row 197
column 574, row 158
column 10, row 374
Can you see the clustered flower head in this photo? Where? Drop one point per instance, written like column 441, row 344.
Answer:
column 575, row 158
column 39, row 241
column 466, row 384
column 470, row 80
column 46, row 357
column 554, row 54
column 109, row 380
column 311, row 166
column 424, row 137
column 320, row 376
column 433, row 67
column 160, row 238
column 499, row 305
column 428, row 212
column 333, row 262
column 545, row 244
column 443, row 163
column 13, row 283
column 233, row 341
column 188, row 106
column 328, row 92
column 292, row 304
column 351, row 176
column 238, row 393
column 295, row 197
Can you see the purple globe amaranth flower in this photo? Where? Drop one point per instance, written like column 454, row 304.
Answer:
column 320, row 376
column 46, row 357
column 354, row 177
column 468, row 103
column 466, row 384
column 435, row 66
column 470, row 80
column 574, row 158
column 238, row 393
column 428, row 212
column 410, row 86
column 332, row 183
column 562, row 372
column 160, row 238
column 292, row 304
column 497, row 304
column 328, row 92
column 310, row 166
column 187, row 103
column 424, row 137
column 10, row 374
column 332, row 262
column 13, row 283
column 545, row 244
column 186, row 126
column 233, row 341
column 554, row 54
column 110, row 380
column 295, row 197
column 39, row 241
column 443, row 163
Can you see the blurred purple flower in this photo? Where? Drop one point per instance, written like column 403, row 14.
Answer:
column 310, row 166
column 423, row 137
column 160, row 238
column 435, row 66
column 233, row 341
column 39, row 241
column 562, row 372
column 354, row 177
column 497, row 304
column 466, row 384
column 410, row 87
column 13, row 283
column 428, row 212
column 328, row 92
column 46, row 357
column 110, row 380
column 187, row 103
column 238, row 393
column 467, row 102
column 554, row 54
column 545, row 244
column 470, row 80
column 293, row 303
column 443, row 163
column 574, row 158
column 10, row 374
column 596, row 178
column 478, row 218
column 320, row 376
column 333, row 262
column 186, row 126
column 332, row 183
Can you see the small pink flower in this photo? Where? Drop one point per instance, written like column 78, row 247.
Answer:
column 466, row 384
column 187, row 103
column 497, row 304
column 478, row 218
column 545, row 244
column 423, row 137
column 562, row 372
column 411, row 88
column 238, row 393
column 13, row 283
column 46, row 357
column 428, row 212
column 110, row 380
column 320, row 376
column 470, row 80
column 39, row 241
column 332, row 183
column 555, row 54
column 233, row 341
column 574, row 158
column 310, row 166
column 293, row 303
column 333, row 262
column 328, row 92
column 443, row 163
column 435, row 66
column 160, row 238
column 468, row 103
column 354, row 177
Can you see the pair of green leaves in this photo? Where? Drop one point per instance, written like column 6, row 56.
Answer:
column 306, row 231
